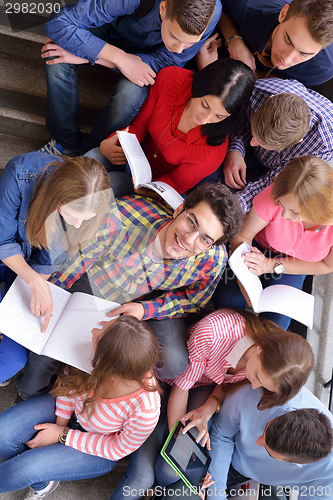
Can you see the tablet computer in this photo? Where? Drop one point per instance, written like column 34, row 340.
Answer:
column 188, row 458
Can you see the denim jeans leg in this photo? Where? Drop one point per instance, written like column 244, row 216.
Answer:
column 62, row 107
column 36, row 378
column 172, row 336
column 13, row 357
column 23, row 467
column 227, row 292
column 124, row 105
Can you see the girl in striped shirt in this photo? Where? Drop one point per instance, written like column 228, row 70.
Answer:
column 93, row 421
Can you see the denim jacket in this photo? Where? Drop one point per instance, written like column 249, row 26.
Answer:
column 17, row 185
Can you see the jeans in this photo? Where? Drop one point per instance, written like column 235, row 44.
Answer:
column 13, row 357
column 62, row 108
column 37, row 375
column 228, row 294
column 23, row 467
column 119, row 175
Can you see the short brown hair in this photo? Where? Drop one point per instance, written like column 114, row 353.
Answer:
column 310, row 180
column 303, row 436
column 193, row 16
column 319, row 18
column 281, row 121
column 224, row 204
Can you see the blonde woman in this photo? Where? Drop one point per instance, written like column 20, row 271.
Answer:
column 48, row 206
column 290, row 228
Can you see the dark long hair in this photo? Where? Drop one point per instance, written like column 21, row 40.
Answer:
column 232, row 81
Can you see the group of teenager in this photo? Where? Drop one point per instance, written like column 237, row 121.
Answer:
column 249, row 156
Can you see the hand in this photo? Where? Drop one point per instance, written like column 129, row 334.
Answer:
column 48, row 434
column 238, row 50
column 135, row 309
column 199, row 418
column 234, row 168
column 257, row 263
column 206, row 482
column 50, row 49
column 41, row 303
column 112, row 151
column 135, row 69
column 208, row 52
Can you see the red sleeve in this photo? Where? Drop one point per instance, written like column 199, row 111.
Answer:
column 189, row 174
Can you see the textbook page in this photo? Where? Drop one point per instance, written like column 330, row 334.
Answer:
column 170, row 195
column 139, row 165
column 287, row 300
column 141, row 171
column 282, row 299
column 17, row 320
column 71, row 339
column 250, row 282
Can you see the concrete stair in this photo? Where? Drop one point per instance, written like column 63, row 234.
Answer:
column 23, row 87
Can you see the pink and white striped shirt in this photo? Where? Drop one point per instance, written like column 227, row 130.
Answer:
column 117, row 426
column 216, row 343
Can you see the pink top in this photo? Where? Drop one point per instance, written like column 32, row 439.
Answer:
column 287, row 237
column 116, row 428
column 216, row 344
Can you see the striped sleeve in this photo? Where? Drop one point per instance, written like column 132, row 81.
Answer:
column 139, row 420
column 64, row 407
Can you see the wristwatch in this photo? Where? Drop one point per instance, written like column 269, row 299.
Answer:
column 63, row 436
column 279, row 267
column 218, row 402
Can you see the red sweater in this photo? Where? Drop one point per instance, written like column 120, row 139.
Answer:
column 185, row 161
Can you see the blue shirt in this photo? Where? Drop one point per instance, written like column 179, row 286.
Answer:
column 17, row 185
column 69, row 29
column 256, row 19
column 317, row 142
column 233, row 435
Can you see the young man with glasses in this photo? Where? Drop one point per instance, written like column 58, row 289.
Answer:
column 160, row 265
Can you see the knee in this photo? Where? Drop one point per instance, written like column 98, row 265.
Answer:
column 172, row 364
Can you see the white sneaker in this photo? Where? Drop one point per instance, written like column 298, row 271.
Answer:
column 5, row 383
column 32, row 494
column 53, row 147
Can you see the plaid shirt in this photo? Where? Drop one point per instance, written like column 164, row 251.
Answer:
column 122, row 266
column 318, row 141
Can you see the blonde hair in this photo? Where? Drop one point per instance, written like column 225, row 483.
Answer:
column 281, row 121
column 310, row 180
column 84, row 183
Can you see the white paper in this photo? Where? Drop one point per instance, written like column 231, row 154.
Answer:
column 281, row 299
column 17, row 320
column 68, row 337
column 141, row 171
column 139, row 165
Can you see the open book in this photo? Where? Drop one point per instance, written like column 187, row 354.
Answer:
column 68, row 336
column 282, row 299
column 141, row 171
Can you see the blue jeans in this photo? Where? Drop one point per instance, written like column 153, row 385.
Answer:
column 13, row 357
column 62, row 108
column 23, row 467
column 119, row 175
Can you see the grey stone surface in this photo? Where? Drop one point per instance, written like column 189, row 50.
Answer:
column 321, row 336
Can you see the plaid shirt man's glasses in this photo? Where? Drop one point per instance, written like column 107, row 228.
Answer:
column 190, row 226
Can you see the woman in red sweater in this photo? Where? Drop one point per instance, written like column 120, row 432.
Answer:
column 184, row 125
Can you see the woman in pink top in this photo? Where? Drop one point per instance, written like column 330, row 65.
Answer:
column 291, row 223
column 95, row 419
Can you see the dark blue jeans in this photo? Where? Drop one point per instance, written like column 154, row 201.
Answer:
column 62, row 109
